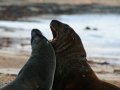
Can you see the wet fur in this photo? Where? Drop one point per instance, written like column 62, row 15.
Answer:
column 72, row 70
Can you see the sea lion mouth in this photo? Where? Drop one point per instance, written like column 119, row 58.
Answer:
column 54, row 31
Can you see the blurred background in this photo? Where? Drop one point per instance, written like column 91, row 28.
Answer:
column 97, row 22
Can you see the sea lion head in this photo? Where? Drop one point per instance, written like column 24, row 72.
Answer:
column 38, row 41
column 36, row 37
column 66, row 39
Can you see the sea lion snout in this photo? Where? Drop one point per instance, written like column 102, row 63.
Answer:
column 56, row 22
column 37, row 37
column 56, row 25
column 36, row 32
column 58, row 28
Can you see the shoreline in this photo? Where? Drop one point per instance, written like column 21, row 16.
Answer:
column 14, row 12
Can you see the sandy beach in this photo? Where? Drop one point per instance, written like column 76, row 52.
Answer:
column 11, row 63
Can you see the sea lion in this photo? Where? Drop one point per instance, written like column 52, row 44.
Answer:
column 38, row 72
column 72, row 70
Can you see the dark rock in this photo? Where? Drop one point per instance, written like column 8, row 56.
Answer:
column 95, row 29
column 87, row 28
column 13, row 12
column 117, row 71
column 5, row 42
column 104, row 63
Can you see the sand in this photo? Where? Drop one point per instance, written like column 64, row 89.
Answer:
column 12, row 62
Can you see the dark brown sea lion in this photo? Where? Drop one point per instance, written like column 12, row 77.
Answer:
column 72, row 70
column 38, row 72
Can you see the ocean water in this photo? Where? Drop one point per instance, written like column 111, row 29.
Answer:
column 102, row 40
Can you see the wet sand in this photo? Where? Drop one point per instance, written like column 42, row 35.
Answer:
column 10, row 64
